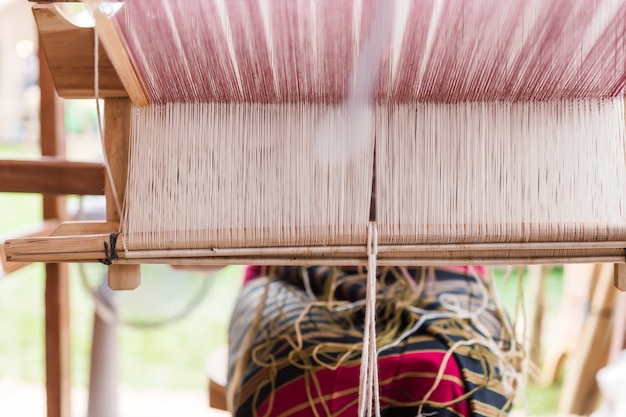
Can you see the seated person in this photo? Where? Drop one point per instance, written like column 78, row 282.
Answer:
column 296, row 338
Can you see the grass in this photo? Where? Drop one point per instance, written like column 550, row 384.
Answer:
column 535, row 399
column 21, row 294
column 21, row 325
column 18, row 151
column 171, row 356
column 539, row 400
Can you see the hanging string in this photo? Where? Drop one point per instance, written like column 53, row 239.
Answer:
column 369, row 396
column 454, row 311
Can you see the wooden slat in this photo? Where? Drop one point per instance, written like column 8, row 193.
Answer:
column 91, row 248
column 54, row 245
column 353, row 261
column 51, row 176
column 116, row 48
column 70, row 53
column 79, row 228
column 41, row 229
column 63, row 257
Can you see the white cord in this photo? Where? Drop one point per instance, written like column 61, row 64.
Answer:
column 369, row 396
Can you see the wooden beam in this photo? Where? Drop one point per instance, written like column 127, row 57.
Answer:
column 51, row 175
column 70, row 53
column 58, row 386
column 78, row 228
column 90, row 244
column 117, row 50
column 618, row 342
column 51, row 228
column 619, row 278
column 30, row 248
column 537, row 277
column 41, row 229
column 116, row 146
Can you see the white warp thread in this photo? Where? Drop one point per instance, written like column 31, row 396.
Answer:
column 495, row 171
column 211, row 175
column 205, row 175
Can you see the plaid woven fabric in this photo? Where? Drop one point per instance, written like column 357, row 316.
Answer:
column 296, row 340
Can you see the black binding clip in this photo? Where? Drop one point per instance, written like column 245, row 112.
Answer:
column 109, row 250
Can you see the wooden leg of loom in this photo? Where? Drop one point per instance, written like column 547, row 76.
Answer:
column 217, row 370
column 580, row 390
column 619, row 327
column 620, row 277
column 58, row 384
column 116, row 142
column 577, row 288
column 537, row 275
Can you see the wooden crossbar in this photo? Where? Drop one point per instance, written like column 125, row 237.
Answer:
column 52, row 176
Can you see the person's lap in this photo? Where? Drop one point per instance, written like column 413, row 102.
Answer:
column 294, row 355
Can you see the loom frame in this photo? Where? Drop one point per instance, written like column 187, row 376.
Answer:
column 72, row 69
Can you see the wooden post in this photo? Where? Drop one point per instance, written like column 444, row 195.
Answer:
column 537, row 275
column 618, row 343
column 116, row 142
column 58, row 384
column 620, row 277
column 578, row 281
column 580, row 390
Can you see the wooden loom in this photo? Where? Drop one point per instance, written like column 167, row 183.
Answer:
column 119, row 85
